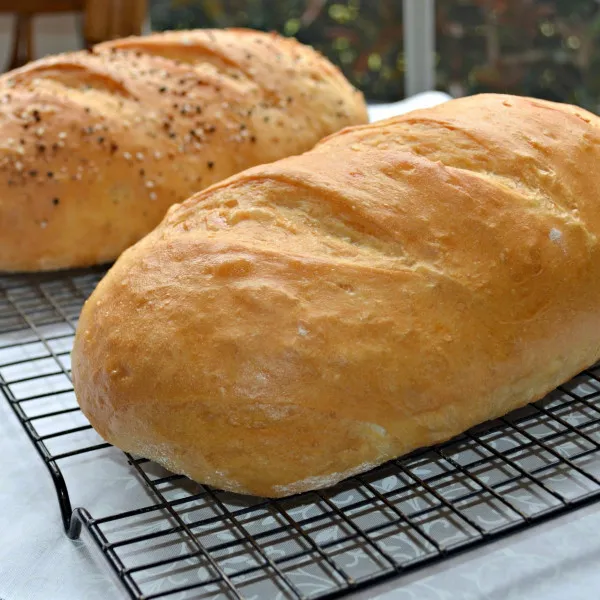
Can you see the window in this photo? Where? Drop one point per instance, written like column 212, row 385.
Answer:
column 544, row 48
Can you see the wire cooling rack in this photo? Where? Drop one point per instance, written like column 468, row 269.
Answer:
column 192, row 541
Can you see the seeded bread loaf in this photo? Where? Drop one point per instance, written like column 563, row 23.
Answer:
column 95, row 146
column 308, row 319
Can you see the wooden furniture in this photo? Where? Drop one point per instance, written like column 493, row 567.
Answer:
column 111, row 19
column 103, row 20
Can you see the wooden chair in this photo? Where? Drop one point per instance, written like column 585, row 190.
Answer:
column 111, row 19
column 103, row 20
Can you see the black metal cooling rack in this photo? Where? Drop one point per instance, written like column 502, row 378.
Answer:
column 193, row 541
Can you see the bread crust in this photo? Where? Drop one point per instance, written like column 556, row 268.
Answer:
column 97, row 145
column 403, row 281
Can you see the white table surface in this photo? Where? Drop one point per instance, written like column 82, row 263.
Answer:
column 554, row 561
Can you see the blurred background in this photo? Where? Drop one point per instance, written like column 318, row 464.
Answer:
column 544, row 48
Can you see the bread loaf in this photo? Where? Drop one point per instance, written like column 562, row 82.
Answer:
column 306, row 320
column 95, row 146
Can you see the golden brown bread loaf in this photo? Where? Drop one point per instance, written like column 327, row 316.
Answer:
column 306, row 320
column 97, row 145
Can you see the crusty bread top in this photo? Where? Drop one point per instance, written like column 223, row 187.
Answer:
column 388, row 289
column 96, row 145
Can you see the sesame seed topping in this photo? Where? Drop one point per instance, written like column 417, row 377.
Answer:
column 149, row 184
column 62, row 135
column 19, row 166
column 139, row 156
column 127, row 155
column 43, row 224
column 40, row 131
column 153, row 196
column 157, row 155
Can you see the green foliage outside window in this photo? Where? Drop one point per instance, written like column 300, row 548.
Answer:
column 544, row 48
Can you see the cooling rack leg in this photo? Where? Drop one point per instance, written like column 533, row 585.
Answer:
column 75, row 524
column 62, row 492
column 72, row 526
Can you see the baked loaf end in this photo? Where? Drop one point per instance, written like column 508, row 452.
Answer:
column 305, row 320
column 97, row 145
